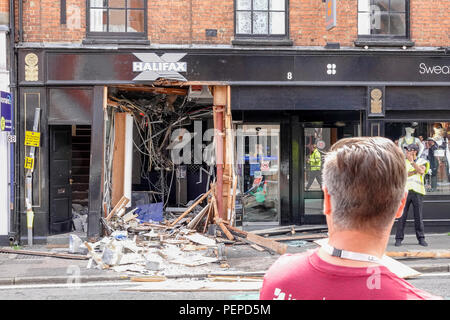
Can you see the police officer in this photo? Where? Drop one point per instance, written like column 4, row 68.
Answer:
column 417, row 168
column 315, row 166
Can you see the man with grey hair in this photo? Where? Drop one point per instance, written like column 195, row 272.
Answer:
column 364, row 182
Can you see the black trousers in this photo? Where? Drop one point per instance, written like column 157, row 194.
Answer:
column 314, row 174
column 416, row 199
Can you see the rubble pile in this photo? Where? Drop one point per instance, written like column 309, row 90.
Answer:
column 172, row 246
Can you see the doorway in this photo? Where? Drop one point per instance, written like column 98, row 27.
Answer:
column 258, row 166
column 317, row 139
column 60, row 174
column 69, row 177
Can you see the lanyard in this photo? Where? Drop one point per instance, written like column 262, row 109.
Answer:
column 349, row 254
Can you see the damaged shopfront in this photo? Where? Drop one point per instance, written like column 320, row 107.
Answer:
column 160, row 128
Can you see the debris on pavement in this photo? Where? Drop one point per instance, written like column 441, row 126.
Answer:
column 445, row 254
column 45, row 254
column 184, row 239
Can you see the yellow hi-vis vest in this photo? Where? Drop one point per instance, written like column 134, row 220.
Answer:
column 415, row 182
column 315, row 160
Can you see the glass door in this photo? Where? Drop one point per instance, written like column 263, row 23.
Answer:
column 258, row 165
column 317, row 141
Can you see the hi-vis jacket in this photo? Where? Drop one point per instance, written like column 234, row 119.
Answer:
column 415, row 181
column 315, row 160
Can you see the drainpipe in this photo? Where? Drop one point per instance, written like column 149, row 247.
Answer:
column 15, row 223
column 20, row 21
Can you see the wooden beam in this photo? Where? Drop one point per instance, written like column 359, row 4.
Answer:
column 288, row 229
column 122, row 203
column 45, row 254
column 419, row 254
column 194, row 222
column 118, row 171
column 191, row 208
column 279, row 248
column 301, row 237
column 220, row 95
column 270, row 244
column 158, row 90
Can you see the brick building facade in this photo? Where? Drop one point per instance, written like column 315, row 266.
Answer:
column 186, row 22
column 383, row 67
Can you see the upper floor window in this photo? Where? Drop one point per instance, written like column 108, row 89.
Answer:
column 117, row 17
column 261, row 18
column 383, row 18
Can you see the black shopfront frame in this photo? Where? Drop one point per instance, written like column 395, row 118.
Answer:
column 309, row 89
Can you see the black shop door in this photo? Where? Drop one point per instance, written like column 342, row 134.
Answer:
column 60, row 175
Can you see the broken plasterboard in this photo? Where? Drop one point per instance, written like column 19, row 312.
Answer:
column 198, row 238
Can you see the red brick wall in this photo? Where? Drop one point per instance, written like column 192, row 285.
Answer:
column 41, row 21
column 186, row 21
column 4, row 6
column 430, row 23
column 307, row 23
column 4, row 10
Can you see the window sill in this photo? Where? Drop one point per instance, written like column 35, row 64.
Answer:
column 383, row 43
column 116, row 41
column 262, row 42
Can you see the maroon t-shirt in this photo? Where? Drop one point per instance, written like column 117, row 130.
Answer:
column 306, row 276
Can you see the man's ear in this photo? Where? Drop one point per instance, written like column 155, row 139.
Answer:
column 402, row 206
column 326, row 202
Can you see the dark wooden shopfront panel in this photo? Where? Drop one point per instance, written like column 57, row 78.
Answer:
column 297, row 98
column 60, row 175
column 70, row 106
column 30, row 99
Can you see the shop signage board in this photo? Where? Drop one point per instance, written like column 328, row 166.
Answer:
column 249, row 67
column 330, row 14
column 32, row 139
column 5, row 115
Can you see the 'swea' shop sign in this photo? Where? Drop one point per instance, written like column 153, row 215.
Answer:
column 433, row 69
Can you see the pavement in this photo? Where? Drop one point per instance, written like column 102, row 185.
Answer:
column 18, row 269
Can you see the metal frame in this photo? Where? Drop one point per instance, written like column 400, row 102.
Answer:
column 384, row 37
column 117, row 35
column 263, row 36
column 312, row 218
column 252, row 123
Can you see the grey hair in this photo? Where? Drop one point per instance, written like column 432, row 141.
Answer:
column 366, row 179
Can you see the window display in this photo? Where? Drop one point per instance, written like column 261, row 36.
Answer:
column 432, row 140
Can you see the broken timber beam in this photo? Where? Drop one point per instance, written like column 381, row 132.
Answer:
column 287, row 229
column 219, row 221
column 191, row 208
column 45, row 254
column 270, row 244
column 194, row 222
column 419, row 254
column 302, row 237
column 161, row 90
column 122, row 203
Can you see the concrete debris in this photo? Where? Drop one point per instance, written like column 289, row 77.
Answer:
column 76, row 245
column 173, row 246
